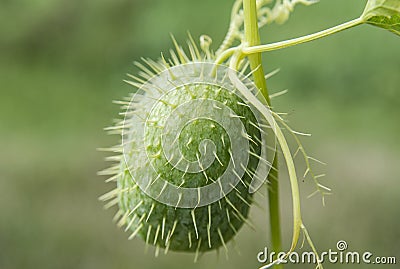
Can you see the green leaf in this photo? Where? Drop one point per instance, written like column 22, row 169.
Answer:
column 384, row 14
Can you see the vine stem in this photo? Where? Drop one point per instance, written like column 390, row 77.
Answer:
column 265, row 111
column 256, row 49
column 252, row 38
column 252, row 49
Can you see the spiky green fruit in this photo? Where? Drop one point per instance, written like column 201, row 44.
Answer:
column 184, row 229
column 190, row 151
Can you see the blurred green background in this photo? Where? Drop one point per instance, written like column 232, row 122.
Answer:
column 61, row 64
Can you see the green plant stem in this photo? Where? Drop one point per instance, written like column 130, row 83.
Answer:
column 225, row 55
column 266, row 112
column 252, row 38
column 256, row 49
column 274, row 214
